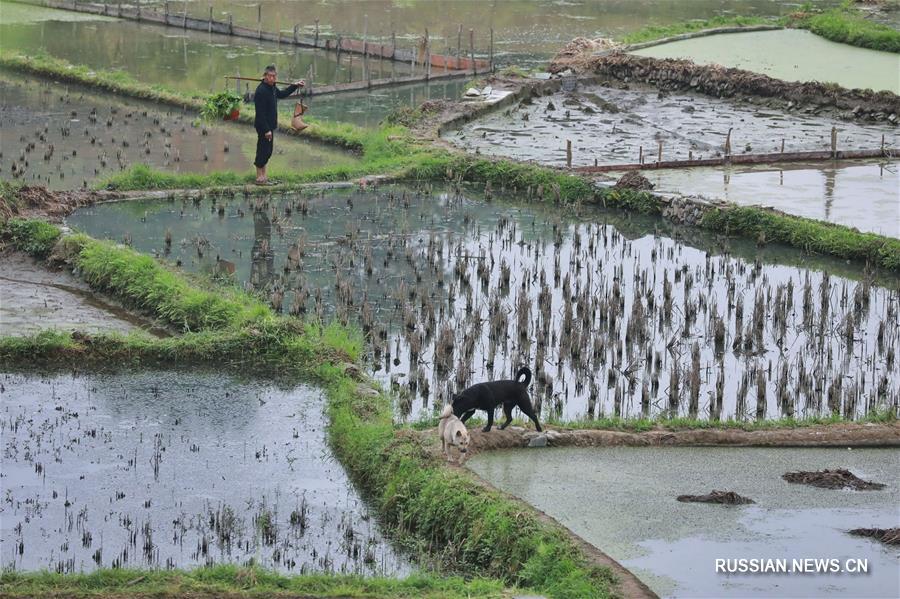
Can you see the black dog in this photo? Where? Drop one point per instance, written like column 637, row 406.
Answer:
column 487, row 396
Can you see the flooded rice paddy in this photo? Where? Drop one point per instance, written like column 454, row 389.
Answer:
column 861, row 194
column 174, row 470
column 33, row 299
column 790, row 55
column 183, row 60
column 613, row 126
column 65, row 137
column 195, row 62
column 451, row 289
column 672, row 546
column 526, row 32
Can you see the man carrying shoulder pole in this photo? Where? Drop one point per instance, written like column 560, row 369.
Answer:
column 266, row 101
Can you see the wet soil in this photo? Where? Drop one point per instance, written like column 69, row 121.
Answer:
column 607, row 313
column 37, row 201
column 832, row 435
column 671, row 75
column 832, row 479
column 33, row 299
column 888, row 536
column 630, row 124
column 722, row 497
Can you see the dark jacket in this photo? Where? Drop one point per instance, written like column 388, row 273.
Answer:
column 266, row 101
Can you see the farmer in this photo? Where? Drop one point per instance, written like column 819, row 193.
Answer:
column 266, row 101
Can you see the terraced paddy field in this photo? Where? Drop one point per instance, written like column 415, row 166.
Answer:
column 790, row 55
column 833, row 192
column 613, row 126
column 614, row 315
column 624, row 501
column 177, row 469
column 69, row 137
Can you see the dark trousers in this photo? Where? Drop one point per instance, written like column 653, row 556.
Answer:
column 263, row 149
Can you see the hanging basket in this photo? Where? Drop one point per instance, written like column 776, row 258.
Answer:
column 297, row 121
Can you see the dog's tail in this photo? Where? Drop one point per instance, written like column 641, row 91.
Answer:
column 524, row 370
column 448, row 411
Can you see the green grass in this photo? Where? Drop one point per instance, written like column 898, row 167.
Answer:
column 847, row 26
column 482, row 531
column 809, row 235
column 232, row 581
column 117, row 82
column 656, row 32
column 138, row 280
column 9, row 198
column 34, row 237
column 344, row 135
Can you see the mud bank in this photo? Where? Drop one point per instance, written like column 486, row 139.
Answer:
column 682, row 75
column 790, row 55
column 33, row 298
column 832, row 435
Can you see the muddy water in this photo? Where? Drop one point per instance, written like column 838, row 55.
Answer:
column 368, row 109
column 178, row 59
column 791, row 55
column 452, row 290
column 525, row 31
column 33, row 299
column 861, row 194
column 613, row 126
column 65, row 137
column 174, row 470
column 18, row 13
column 622, row 500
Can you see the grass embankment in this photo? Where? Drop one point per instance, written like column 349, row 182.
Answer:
column 138, row 280
column 847, row 25
column 759, row 224
column 231, row 581
column 445, row 508
column 658, row 32
column 809, row 235
column 471, row 528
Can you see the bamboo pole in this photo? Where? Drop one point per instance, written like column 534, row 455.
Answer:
column 472, row 50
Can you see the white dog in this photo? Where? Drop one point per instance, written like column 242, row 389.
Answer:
column 453, row 433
